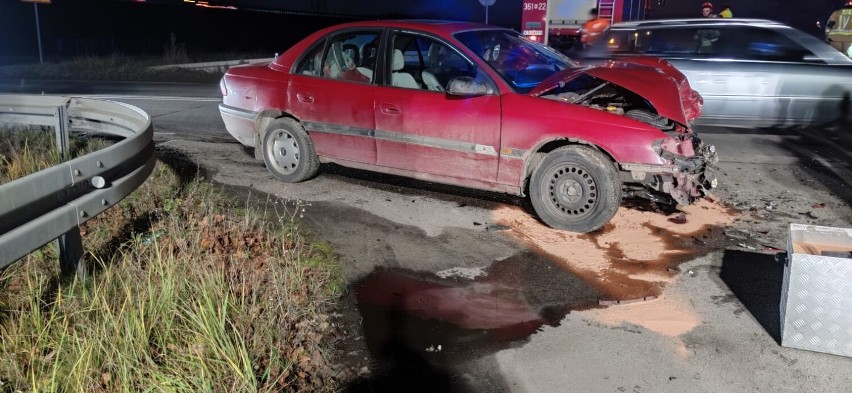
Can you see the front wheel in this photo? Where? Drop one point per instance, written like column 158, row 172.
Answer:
column 575, row 188
column 289, row 152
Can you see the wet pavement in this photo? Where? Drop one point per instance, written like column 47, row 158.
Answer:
column 420, row 326
column 417, row 325
column 428, row 312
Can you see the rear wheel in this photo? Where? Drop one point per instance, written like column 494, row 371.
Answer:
column 575, row 188
column 289, row 152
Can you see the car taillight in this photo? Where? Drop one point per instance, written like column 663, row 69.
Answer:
column 222, row 87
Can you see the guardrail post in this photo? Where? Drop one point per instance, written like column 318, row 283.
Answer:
column 70, row 244
column 63, row 144
column 71, row 259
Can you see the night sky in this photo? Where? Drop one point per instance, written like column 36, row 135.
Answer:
column 79, row 27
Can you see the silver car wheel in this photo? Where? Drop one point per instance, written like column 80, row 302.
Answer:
column 285, row 151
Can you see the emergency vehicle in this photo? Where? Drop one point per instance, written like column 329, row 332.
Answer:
column 558, row 23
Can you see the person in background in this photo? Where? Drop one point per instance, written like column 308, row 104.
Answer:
column 593, row 29
column 707, row 10
column 838, row 29
column 726, row 12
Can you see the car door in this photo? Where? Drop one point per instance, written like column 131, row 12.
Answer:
column 332, row 94
column 422, row 129
column 782, row 82
column 810, row 90
column 735, row 94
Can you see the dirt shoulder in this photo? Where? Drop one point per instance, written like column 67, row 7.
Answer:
column 689, row 286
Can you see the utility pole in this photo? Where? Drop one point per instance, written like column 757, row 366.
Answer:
column 38, row 27
column 38, row 34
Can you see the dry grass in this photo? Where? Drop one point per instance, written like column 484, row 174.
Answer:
column 189, row 291
column 23, row 152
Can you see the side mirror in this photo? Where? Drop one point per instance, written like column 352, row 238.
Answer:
column 466, row 86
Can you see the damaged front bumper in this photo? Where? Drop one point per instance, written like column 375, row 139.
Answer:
column 690, row 174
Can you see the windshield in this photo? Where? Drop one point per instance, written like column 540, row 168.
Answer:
column 523, row 64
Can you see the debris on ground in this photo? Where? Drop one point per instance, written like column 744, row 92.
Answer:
column 734, row 233
column 678, row 218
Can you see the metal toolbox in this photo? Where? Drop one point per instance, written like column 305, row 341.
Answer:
column 816, row 297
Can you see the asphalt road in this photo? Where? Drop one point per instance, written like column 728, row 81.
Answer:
column 466, row 291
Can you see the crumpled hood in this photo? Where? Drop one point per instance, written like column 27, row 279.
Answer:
column 656, row 80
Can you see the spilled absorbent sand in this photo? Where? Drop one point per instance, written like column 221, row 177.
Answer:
column 630, row 258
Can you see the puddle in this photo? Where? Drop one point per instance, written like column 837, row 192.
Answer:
column 418, row 325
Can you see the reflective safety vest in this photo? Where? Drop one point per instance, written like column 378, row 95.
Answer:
column 840, row 22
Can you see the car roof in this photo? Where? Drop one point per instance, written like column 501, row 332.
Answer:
column 441, row 28
column 697, row 21
column 436, row 26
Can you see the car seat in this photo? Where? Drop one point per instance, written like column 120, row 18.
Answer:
column 400, row 78
column 368, row 60
column 428, row 75
column 335, row 63
column 351, row 52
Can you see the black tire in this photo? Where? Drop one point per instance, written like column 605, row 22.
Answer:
column 289, row 152
column 575, row 188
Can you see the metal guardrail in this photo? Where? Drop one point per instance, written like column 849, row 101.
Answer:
column 213, row 66
column 52, row 203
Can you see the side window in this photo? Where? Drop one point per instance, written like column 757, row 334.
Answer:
column 619, row 41
column 420, row 62
column 769, row 45
column 311, row 63
column 728, row 42
column 675, row 41
column 350, row 56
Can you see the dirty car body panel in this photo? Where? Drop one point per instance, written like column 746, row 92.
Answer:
column 476, row 106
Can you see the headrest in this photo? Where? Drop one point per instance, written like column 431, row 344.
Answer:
column 398, row 60
column 434, row 54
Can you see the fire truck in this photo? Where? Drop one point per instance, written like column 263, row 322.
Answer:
column 558, row 22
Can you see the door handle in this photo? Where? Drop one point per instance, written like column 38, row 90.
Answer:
column 307, row 99
column 390, row 109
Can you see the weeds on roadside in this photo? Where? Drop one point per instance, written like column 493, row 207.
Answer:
column 190, row 291
column 175, row 52
column 23, row 152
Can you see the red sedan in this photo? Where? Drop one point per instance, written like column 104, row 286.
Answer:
column 475, row 106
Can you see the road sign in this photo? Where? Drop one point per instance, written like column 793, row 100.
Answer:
column 486, row 4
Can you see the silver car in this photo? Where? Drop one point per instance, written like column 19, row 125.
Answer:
column 751, row 72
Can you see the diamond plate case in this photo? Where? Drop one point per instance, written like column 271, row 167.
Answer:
column 816, row 298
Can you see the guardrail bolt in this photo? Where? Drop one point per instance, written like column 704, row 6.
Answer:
column 98, row 182
column 77, row 172
column 104, row 202
column 83, row 213
column 100, row 164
